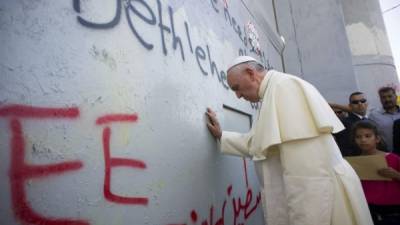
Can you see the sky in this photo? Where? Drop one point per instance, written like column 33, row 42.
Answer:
column 391, row 15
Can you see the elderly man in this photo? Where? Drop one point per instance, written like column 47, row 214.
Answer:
column 305, row 180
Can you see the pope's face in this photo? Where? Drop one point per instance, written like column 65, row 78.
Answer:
column 243, row 83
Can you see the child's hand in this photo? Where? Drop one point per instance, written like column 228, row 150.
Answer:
column 389, row 173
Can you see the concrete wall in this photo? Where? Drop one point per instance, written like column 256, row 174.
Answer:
column 102, row 102
column 317, row 47
column 371, row 54
column 339, row 46
column 102, row 111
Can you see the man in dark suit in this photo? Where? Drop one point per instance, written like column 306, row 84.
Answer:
column 396, row 137
column 358, row 105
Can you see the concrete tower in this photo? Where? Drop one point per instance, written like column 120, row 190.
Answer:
column 372, row 58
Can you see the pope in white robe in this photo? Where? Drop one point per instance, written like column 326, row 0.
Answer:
column 304, row 179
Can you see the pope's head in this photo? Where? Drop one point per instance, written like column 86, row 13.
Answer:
column 244, row 77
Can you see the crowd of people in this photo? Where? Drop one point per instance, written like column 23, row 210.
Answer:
column 387, row 120
column 371, row 133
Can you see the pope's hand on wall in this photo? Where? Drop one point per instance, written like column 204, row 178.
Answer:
column 213, row 124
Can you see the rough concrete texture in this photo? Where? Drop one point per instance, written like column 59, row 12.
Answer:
column 102, row 112
column 372, row 58
column 317, row 45
column 102, row 102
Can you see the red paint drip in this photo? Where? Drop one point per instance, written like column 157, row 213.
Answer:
column 236, row 210
column 193, row 216
column 229, row 190
column 221, row 220
column 212, row 215
column 114, row 162
column 117, row 118
column 245, row 172
column 38, row 112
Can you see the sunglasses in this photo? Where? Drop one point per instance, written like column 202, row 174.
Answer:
column 355, row 102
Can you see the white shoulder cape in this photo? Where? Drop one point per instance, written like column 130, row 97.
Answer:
column 291, row 109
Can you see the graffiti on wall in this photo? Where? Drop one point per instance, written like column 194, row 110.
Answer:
column 254, row 39
column 21, row 171
column 241, row 208
column 111, row 162
column 141, row 10
column 236, row 208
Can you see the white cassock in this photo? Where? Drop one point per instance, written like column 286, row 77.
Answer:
column 304, row 179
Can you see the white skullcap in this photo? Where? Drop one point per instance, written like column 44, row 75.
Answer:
column 240, row 60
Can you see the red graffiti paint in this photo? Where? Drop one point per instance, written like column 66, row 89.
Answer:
column 193, row 216
column 111, row 162
column 245, row 206
column 38, row 112
column 247, row 211
column 117, row 118
column 245, row 172
column 20, row 171
column 239, row 207
column 221, row 220
column 229, row 190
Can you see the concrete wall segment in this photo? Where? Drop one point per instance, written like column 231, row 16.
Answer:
column 317, row 45
column 65, row 66
column 371, row 54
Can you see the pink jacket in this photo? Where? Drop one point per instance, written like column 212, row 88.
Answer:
column 384, row 192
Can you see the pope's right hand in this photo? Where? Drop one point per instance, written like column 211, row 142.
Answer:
column 213, row 124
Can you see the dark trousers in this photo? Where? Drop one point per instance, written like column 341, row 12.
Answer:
column 385, row 214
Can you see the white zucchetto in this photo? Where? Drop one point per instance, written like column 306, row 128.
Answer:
column 240, row 60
